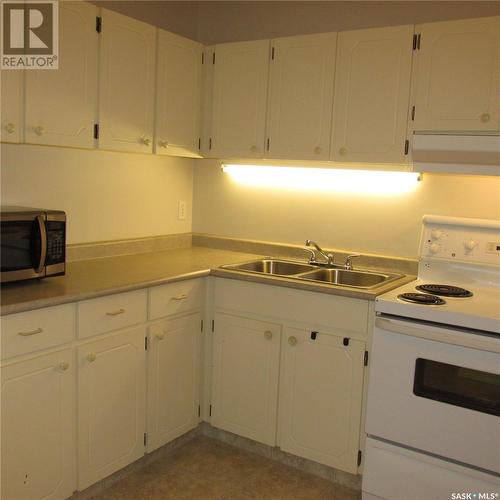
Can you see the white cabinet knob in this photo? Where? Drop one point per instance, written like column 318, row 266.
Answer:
column 268, row 334
column 434, row 248
column 91, row 357
column 39, row 130
column 145, row 141
column 343, row 151
column 436, row 234
column 485, row 117
column 160, row 335
column 63, row 366
column 470, row 245
column 10, row 128
column 292, row 340
column 317, row 150
column 162, row 144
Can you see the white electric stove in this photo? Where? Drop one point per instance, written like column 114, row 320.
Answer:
column 433, row 416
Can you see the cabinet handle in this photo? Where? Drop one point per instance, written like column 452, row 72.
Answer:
column 343, row 151
column 145, row 141
column 115, row 313
column 39, row 130
column 292, row 340
column 32, row 332
column 182, row 296
column 160, row 336
column 10, row 128
column 268, row 334
column 485, row 117
column 91, row 357
column 63, row 366
column 317, row 150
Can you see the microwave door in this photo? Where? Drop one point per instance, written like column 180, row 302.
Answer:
column 24, row 248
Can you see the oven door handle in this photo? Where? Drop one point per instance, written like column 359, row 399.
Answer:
column 449, row 335
column 43, row 243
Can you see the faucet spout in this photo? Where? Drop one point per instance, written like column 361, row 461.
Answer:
column 327, row 256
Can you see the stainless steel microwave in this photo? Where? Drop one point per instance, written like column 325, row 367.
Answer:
column 33, row 243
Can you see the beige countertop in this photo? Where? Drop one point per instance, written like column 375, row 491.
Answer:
column 97, row 277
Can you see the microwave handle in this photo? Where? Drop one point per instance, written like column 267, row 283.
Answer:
column 43, row 243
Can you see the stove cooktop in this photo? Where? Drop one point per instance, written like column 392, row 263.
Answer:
column 444, row 290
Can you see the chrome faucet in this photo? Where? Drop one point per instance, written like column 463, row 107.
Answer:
column 348, row 261
column 314, row 260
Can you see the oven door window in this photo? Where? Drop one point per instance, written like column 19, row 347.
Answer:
column 456, row 385
column 20, row 245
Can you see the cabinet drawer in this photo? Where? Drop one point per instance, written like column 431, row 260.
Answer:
column 111, row 313
column 175, row 298
column 35, row 330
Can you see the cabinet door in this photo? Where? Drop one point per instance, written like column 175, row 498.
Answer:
column 173, row 379
column 300, row 101
column 126, row 98
column 458, row 75
column 61, row 104
column 178, row 92
column 38, row 427
column 245, row 377
column 372, row 91
column 320, row 397
column 111, row 404
column 239, row 99
column 11, row 105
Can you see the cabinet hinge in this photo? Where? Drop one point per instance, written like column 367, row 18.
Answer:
column 314, row 335
column 203, row 58
column 199, row 143
column 413, row 113
column 145, row 439
column 416, row 41
column 98, row 24
column 213, row 58
column 359, row 458
column 365, row 360
column 210, row 143
column 213, row 325
column 272, row 54
column 201, row 326
column 407, row 146
column 210, row 411
column 96, row 131
column 346, row 341
column 268, row 143
column 199, row 410
column 146, row 343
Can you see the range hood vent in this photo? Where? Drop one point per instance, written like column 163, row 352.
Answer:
column 457, row 152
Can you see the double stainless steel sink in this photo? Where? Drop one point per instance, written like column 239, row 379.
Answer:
column 331, row 274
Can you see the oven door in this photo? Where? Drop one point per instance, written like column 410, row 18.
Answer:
column 24, row 247
column 436, row 389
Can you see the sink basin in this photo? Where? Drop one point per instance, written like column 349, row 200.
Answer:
column 359, row 279
column 271, row 266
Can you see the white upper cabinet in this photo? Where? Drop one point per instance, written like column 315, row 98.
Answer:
column 372, row 91
column 11, row 105
column 61, row 104
column 239, row 99
column 320, row 397
column 458, row 75
column 300, row 100
column 127, row 72
column 178, row 95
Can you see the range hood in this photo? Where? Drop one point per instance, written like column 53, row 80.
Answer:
column 457, row 152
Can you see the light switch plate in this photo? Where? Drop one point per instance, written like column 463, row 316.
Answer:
column 181, row 210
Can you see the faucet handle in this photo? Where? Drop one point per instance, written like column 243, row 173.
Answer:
column 348, row 261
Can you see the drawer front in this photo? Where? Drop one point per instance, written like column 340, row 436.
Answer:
column 36, row 330
column 111, row 313
column 175, row 298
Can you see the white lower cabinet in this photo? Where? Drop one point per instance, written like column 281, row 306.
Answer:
column 173, row 379
column 321, row 396
column 245, row 379
column 111, row 404
column 38, row 427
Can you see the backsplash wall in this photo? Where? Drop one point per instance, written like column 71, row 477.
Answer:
column 106, row 195
column 388, row 225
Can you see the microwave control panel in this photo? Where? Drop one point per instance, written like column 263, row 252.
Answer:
column 56, row 242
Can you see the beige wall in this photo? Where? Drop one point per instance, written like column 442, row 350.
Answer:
column 106, row 195
column 380, row 225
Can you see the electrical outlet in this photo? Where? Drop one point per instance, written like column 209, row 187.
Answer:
column 181, row 210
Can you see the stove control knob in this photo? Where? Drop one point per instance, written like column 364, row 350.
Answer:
column 470, row 245
column 436, row 234
column 434, row 248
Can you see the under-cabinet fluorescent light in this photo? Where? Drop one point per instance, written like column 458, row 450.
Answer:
column 370, row 182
